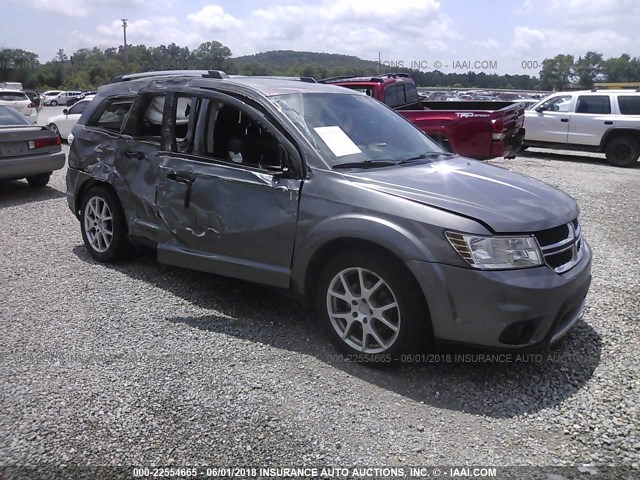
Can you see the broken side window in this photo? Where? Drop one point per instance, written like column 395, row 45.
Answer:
column 234, row 136
column 183, row 118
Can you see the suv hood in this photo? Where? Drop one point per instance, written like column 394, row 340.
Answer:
column 505, row 201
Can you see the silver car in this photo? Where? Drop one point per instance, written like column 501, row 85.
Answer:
column 26, row 150
column 332, row 195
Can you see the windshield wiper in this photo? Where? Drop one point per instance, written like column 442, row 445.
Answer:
column 366, row 164
column 426, row 155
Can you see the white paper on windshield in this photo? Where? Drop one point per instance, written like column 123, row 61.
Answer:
column 338, row 141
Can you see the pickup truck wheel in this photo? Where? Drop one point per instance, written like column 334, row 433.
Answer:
column 103, row 226
column 370, row 307
column 622, row 151
column 40, row 180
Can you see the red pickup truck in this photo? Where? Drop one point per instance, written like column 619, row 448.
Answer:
column 479, row 130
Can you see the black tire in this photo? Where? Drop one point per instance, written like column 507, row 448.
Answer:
column 622, row 151
column 54, row 103
column 411, row 317
column 54, row 128
column 39, row 181
column 94, row 241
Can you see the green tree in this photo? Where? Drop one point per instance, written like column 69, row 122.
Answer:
column 556, row 72
column 211, row 56
column 587, row 68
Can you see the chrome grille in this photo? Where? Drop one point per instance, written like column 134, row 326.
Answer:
column 561, row 246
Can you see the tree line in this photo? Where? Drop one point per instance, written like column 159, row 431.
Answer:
column 89, row 68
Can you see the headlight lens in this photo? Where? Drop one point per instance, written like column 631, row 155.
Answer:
column 493, row 253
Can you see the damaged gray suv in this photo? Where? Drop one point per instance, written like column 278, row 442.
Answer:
column 328, row 193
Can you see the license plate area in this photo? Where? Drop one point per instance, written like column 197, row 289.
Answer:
column 13, row 149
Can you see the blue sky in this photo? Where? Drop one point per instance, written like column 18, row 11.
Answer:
column 494, row 36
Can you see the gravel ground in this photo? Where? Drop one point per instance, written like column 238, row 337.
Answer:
column 143, row 364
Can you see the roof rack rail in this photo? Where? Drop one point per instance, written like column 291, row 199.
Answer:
column 401, row 75
column 594, row 89
column 218, row 74
column 338, row 78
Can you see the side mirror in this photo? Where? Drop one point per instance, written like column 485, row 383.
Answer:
column 65, row 111
column 540, row 109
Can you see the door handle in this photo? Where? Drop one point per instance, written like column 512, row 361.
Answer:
column 564, row 120
column 187, row 180
column 608, row 122
column 180, row 177
column 136, row 155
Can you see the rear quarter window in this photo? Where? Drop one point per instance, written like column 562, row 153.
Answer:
column 112, row 114
column 391, row 95
column 629, row 105
column 13, row 96
column 411, row 92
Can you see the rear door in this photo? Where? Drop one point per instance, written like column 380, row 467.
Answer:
column 551, row 124
column 228, row 192
column 591, row 120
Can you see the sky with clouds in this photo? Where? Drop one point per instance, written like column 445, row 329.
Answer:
column 494, row 36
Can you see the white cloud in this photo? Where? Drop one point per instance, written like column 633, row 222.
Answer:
column 214, row 18
column 63, row 8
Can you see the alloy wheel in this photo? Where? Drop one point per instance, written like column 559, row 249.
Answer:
column 98, row 224
column 363, row 310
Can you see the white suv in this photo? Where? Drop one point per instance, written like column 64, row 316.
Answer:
column 598, row 121
column 19, row 101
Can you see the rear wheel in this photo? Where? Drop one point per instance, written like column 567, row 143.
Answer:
column 53, row 127
column 40, row 180
column 54, row 103
column 622, row 151
column 104, row 229
column 371, row 306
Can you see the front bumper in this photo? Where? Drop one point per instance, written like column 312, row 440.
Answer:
column 25, row 166
column 510, row 309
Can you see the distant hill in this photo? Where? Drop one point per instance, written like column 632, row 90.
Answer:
column 323, row 65
column 290, row 62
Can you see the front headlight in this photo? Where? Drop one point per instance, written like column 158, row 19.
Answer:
column 493, row 253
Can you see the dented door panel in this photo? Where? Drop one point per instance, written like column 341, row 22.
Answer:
column 235, row 216
column 138, row 165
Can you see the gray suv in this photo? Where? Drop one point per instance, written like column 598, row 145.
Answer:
column 328, row 193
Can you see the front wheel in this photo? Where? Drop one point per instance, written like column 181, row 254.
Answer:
column 371, row 307
column 622, row 151
column 103, row 226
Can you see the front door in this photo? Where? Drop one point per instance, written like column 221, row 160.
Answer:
column 552, row 123
column 227, row 197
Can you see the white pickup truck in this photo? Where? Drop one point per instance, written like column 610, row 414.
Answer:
column 605, row 121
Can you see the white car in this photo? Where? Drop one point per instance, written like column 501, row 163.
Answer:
column 19, row 101
column 62, row 98
column 63, row 124
column 606, row 121
column 49, row 94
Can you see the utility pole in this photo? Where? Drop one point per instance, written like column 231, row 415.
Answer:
column 126, row 54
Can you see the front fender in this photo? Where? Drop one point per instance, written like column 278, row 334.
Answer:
column 386, row 234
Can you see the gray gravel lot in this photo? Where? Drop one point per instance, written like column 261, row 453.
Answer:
column 143, row 364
